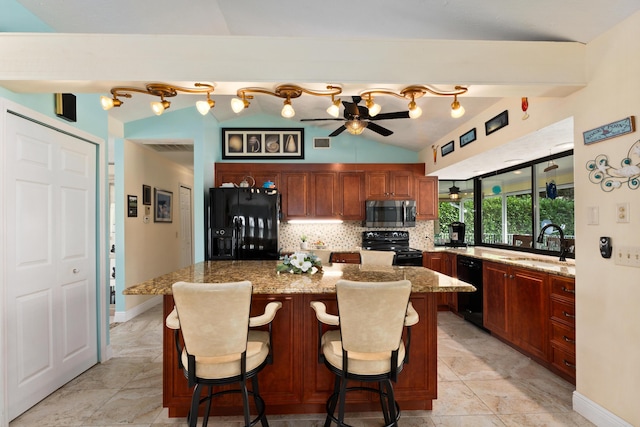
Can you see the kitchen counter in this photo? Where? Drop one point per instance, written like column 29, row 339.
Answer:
column 544, row 263
column 266, row 280
column 296, row 382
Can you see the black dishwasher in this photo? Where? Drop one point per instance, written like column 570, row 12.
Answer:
column 470, row 303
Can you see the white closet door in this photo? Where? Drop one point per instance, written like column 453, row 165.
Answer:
column 51, row 261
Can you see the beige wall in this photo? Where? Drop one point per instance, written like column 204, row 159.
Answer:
column 607, row 295
column 151, row 249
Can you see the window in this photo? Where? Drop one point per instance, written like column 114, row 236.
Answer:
column 512, row 214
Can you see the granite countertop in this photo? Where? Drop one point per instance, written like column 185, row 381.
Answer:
column 266, row 280
column 544, row 263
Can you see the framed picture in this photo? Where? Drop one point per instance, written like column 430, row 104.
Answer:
column 621, row 127
column 132, row 206
column 163, row 206
column 468, row 138
column 265, row 144
column 496, row 123
column 146, row 195
column 447, row 148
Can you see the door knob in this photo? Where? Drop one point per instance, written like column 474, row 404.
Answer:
column 76, row 271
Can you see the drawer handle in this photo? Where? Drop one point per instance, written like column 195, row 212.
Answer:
column 569, row 340
column 569, row 364
column 572, row 316
column 567, row 290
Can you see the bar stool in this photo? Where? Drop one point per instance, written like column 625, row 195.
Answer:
column 368, row 346
column 377, row 257
column 219, row 348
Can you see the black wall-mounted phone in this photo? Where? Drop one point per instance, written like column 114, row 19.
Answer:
column 605, row 247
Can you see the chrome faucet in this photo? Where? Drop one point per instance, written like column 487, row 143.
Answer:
column 562, row 241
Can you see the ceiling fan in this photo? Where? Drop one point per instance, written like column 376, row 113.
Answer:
column 357, row 119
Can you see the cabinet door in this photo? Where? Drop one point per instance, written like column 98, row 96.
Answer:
column 351, row 195
column 427, row 197
column 495, row 278
column 377, row 185
column 324, row 189
column 528, row 304
column 401, row 185
column 295, row 195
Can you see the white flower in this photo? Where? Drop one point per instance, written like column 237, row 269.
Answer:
column 305, row 266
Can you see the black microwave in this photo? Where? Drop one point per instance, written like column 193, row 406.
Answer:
column 390, row 213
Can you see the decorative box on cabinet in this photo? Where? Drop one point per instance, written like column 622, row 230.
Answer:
column 563, row 326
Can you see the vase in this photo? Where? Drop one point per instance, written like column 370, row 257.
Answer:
column 304, row 245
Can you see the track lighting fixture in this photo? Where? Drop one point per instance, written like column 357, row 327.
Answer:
column 412, row 93
column 457, row 110
column 374, row 108
column 162, row 90
column 334, row 108
column 287, row 92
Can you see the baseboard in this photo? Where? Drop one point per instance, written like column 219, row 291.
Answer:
column 596, row 413
column 123, row 316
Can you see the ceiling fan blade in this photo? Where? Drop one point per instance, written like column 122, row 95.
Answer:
column 350, row 110
column 326, row 118
column 338, row 131
column 379, row 129
column 387, row 116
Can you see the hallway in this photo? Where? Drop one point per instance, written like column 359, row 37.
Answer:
column 482, row 382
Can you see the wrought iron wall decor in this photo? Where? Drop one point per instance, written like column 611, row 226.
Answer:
column 610, row 177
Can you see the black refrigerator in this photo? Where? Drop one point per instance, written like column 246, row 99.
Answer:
column 243, row 223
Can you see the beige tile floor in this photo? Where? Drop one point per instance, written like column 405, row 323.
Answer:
column 482, row 382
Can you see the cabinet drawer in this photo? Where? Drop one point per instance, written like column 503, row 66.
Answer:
column 564, row 312
column 563, row 336
column 563, row 360
column 563, row 288
column 346, row 257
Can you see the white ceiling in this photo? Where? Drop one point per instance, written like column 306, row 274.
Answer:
column 373, row 20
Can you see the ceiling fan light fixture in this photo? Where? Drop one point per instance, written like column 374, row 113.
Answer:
column 457, row 110
column 355, row 127
column 334, row 108
column 287, row 111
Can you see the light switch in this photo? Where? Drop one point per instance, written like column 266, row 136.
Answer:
column 593, row 214
column 622, row 212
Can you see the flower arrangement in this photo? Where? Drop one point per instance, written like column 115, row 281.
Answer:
column 299, row 263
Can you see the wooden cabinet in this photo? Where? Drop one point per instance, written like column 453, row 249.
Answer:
column 351, row 195
column 427, row 198
column 562, row 326
column 337, row 190
column 381, row 185
column 495, row 279
column 516, row 307
column 295, row 195
column 442, row 262
column 346, row 257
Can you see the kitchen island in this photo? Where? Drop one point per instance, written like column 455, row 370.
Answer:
column 296, row 382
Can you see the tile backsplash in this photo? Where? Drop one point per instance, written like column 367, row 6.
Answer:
column 348, row 235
